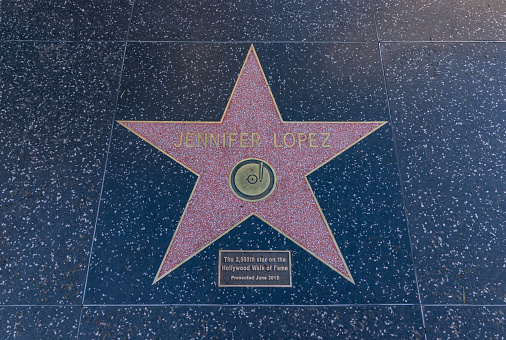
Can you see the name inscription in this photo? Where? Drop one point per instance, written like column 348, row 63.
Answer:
column 252, row 140
column 254, row 268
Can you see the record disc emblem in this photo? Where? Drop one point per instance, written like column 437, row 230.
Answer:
column 252, row 180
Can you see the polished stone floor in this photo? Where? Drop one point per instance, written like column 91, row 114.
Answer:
column 417, row 208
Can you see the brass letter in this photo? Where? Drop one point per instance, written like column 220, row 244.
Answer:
column 255, row 140
column 180, row 141
column 327, row 135
column 301, row 140
column 276, row 143
column 284, row 139
column 230, row 139
column 245, row 135
column 199, row 138
column 311, row 140
column 216, row 140
column 188, row 140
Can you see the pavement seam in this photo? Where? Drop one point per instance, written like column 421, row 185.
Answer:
column 403, row 195
column 105, row 165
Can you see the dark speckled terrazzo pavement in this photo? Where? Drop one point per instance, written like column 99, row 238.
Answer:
column 87, row 209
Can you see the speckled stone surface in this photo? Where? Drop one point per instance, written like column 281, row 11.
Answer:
column 145, row 193
column 420, row 200
column 448, row 109
column 57, row 103
column 64, row 20
column 425, row 20
column 39, row 322
column 310, row 82
column 252, row 322
column 264, row 20
column 465, row 322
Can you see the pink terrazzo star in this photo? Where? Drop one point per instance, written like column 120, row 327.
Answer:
column 252, row 127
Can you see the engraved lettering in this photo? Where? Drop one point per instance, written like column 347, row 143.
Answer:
column 301, row 135
column 189, row 140
column 180, row 141
column 312, row 139
column 255, row 137
column 276, row 143
column 243, row 139
column 327, row 135
column 231, row 139
column 216, row 140
column 200, row 138
column 293, row 139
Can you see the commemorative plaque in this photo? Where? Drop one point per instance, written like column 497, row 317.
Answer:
column 255, row 268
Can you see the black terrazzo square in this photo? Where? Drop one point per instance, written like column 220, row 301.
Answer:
column 423, row 20
column 57, row 103
column 145, row 192
column 39, row 322
column 465, row 322
column 265, row 20
column 380, row 322
column 310, row 82
column 81, row 20
column 448, row 110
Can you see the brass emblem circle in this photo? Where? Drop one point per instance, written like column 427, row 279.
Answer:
column 252, row 180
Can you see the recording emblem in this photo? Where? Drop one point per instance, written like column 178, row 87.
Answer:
column 252, row 180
